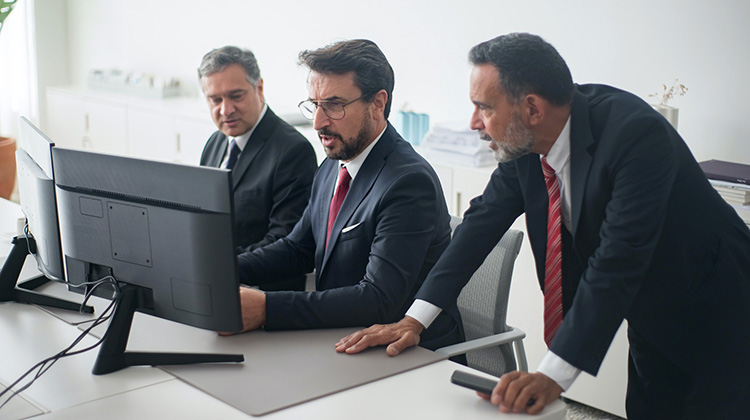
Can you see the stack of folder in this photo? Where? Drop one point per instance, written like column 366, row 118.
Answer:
column 732, row 181
column 457, row 144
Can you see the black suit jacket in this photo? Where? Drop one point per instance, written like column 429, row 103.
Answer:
column 392, row 227
column 271, row 180
column 651, row 240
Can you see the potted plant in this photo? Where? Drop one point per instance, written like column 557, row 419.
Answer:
column 669, row 112
column 7, row 144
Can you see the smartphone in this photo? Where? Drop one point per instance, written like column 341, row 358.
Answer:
column 475, row 382
column 478, row 383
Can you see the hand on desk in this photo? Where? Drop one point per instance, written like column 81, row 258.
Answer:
column 398, row 337
column 514, row 390
column 253, row 304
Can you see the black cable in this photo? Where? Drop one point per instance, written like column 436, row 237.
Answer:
column 44, row 365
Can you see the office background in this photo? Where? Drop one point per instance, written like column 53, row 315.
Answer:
column 636, row 45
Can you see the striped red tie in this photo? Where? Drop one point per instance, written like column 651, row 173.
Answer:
column 553, row 262
column 338, row 198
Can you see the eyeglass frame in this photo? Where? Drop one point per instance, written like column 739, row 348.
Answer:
column 316, row 104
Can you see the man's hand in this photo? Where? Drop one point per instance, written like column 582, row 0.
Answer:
column 514, row 391
column 398, row 337
column 253, row 304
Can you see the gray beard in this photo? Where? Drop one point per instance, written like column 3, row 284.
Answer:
column 517, row 141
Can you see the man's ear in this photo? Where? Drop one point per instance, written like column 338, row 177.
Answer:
column 533, row 109
column 379, row 101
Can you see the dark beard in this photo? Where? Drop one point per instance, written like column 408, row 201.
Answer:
column 352, row 147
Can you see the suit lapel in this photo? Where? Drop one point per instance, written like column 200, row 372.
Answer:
column 360, row 186
column 581, row 156
column 254, row 145
column 219, row 151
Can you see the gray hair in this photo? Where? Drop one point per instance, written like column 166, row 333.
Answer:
column 218, row 59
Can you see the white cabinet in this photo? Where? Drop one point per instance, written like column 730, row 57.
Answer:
column 191, row 137
column 461, row 184
column 173, row 130
column 166, row 136
column 85, row 123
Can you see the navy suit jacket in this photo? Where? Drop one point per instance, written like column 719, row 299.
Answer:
column 271, row 180
column 652, row 242
column 392, row 227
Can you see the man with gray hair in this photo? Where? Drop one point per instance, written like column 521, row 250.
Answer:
column 272, row 164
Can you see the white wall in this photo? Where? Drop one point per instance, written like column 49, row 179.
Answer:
column 636, row 45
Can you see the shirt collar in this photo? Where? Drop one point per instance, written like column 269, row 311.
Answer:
column 354, row 165
column 242, row 139
column 559, row 154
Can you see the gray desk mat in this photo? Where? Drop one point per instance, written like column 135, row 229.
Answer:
column 281, row 368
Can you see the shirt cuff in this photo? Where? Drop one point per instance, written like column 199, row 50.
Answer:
column 558, row 370
column 424, row 312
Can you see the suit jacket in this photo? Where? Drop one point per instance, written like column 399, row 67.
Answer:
column 651, row 240
column 391, row 228
column 271, row 180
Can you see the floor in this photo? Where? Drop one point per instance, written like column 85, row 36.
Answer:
column 577, row 411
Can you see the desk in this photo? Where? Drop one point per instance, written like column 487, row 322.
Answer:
column 69, row 391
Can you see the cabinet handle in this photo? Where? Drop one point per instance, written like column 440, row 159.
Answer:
column 179, row 146
column 458, row 204
column 86, row 122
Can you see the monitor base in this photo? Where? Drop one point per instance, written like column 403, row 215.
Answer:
column 112, row 355
column 9, row 292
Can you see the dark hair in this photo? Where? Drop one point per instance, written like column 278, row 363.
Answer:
column 527, row 64
column 372, row 72
column 218, row 59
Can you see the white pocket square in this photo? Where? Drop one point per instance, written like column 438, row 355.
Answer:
column 348, row 228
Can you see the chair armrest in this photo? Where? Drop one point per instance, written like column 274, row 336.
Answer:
column 515, row 336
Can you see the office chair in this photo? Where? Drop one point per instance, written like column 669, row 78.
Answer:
column 483, row 304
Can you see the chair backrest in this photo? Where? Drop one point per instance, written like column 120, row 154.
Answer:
column 483, row 303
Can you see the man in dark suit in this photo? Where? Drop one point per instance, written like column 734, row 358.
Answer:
column 372, row 255
column 272, row 164
column 643, row 237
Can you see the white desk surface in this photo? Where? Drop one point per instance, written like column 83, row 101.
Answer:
column 424, row 393
column 30, row 335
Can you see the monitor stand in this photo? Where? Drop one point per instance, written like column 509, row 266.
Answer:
column 112, row 355
column 9, row 279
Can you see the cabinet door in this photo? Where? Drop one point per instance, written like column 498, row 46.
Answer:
column 467, row 184
column 151, row 135
column 191, row 136
column 445, row 174
column 107, row 129
column 66, row 120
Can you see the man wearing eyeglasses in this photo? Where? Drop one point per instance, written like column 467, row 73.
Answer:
column 272, row 164
column 377, row 219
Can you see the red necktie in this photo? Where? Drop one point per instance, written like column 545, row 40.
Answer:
column 553, row 262
column 338, row 197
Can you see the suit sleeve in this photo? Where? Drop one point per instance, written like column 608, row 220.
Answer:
column 291, row 191
column 290, row 256
column 633, row 175
column 405, row 224
column 484, row 223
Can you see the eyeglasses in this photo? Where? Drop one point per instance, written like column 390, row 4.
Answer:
column 333, row 109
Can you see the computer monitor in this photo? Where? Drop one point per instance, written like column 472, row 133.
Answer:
column 163, row 231
column 41, row 236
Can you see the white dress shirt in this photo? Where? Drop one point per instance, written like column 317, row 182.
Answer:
column 552, row 365
column 242, row 139
column 354, row 165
